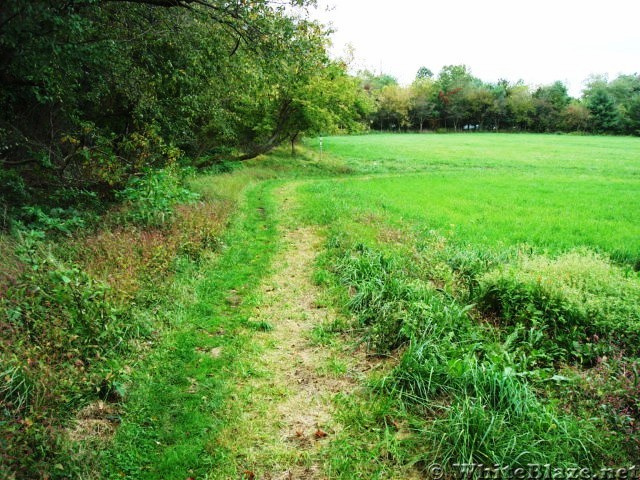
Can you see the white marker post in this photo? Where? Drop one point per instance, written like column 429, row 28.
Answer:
column 320, row 148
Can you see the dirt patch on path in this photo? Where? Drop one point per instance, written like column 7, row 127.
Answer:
column 305, row 415
column 287, row 403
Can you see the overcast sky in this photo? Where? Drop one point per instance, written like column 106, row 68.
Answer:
column 537, row 41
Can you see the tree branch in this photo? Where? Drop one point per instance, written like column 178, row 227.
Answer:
column 162, row 3
column 15, row 163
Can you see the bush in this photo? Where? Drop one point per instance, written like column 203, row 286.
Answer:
column 581, row 302
column 13, row 191
column 59, row 326
column 60, row 305
column 150, row 199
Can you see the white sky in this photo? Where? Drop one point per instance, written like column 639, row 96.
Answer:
column 537, row 41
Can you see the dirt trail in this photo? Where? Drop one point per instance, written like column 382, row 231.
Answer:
column 287, row 411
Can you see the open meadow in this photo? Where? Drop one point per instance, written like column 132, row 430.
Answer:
column 549, row 192
column 395, row 306
column 500, row 272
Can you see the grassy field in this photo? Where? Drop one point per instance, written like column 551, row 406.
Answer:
column 501, row 272
column 378, row 153
column 391, row 308
column 550, row 192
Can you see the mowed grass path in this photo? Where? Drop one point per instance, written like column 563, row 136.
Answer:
column 552, row 192
column 191, row 396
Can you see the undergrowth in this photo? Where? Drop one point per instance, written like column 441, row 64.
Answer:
column 77, row 304
column 489, row 344
column 61, row 329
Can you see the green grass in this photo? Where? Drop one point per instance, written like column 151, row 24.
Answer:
column 388, row 153
column 453, row 257
column 181, row 396
column 433, row 246
column 178, row 404
column 469, row 258
column 551, row 192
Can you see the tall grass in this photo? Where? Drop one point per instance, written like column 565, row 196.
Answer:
column 584, row 305
column 476, row 387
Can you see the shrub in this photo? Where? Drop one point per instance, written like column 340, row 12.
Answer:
column 52, row 299
column 150, row 198
column 579, row 300
column 13, row 191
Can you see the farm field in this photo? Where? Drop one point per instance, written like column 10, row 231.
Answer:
column 500, row 271
column 550, row 192
column 379, row 153
column 397, row 306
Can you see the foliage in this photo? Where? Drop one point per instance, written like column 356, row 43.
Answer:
column 576, row 117
column 455, row 98
column 149, row 199
column 95, row 92
column 581, row 303
column 423, row 107
column 55, row 220
column 392, row 108
column 603, row 111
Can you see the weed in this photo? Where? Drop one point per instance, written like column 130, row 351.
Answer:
column 60, row 325
column 579, row 301
column 151, row 198
column 474, row 390
column 260, row 326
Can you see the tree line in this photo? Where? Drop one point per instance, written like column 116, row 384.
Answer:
column 93, row 92
column 455, row 99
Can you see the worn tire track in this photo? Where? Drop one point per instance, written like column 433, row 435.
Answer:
column 286, row 405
